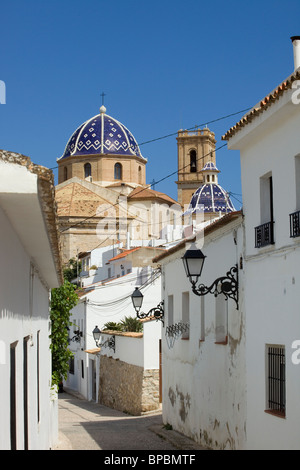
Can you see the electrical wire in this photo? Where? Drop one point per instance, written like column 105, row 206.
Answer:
column 171, row 174
column 141, row 190
column 153, row 277
column 188, row 129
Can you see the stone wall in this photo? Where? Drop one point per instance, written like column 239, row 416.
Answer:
column 128, row 388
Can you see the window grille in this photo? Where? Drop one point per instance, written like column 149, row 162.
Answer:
column 295, row 224
column 276, row 396
column 264, row 235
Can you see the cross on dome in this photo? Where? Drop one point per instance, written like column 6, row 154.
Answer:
column 102, row 134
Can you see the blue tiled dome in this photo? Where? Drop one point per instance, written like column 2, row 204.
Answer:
column 210, row 166
column 213, row 198
column 210, row 197
column 101, row 134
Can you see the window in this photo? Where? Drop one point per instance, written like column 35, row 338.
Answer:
column 264, row 233
column 65, row 173
column 295, row 216
column 87, row 170
column 202, row 318
column 13, row 397
column 38, row 375
column 186, row 313
column 71, row 365
column 266, row 198
column 170, row 310
column 140, row 175
column 297, row 177
column 221, row 319
column 25, row 390
column 193, row 161
column 275, row 378
column 118, row 171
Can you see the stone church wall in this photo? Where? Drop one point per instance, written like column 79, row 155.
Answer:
column 128, row 388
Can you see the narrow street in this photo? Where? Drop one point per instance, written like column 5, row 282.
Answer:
column 87, row 425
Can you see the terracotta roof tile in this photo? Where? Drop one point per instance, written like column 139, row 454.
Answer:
column 123, row 254
column 147, row 193
column 264, row 104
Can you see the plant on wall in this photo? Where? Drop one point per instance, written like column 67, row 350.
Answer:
column 132, row 324
column 71, row 269
column 63, row 299
column 112, row 326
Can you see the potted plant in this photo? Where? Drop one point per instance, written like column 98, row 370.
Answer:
column 92, row 270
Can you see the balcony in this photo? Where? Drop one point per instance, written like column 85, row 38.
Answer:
column 295, row 224
column 264, row 235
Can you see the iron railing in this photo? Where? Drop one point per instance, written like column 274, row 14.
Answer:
column 264, row 235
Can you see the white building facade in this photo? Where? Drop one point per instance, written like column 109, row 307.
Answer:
column 203, row 353
column 110, row 301
column 269, row 144
column 30, row 253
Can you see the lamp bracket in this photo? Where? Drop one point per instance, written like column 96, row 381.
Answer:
column 156, row 312
column 109, row 343
column 77, row 336
column 227, row 285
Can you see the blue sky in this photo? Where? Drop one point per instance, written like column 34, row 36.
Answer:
column 163, row 65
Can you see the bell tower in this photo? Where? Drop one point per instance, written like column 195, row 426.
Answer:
column 195, row 149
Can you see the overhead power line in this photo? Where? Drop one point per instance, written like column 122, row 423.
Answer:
column 165, row 177
column 141, row 190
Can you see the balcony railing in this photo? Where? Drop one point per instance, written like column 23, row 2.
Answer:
column 295, row 224
column 264, row 235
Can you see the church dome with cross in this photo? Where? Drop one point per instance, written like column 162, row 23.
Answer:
column 210, row 197
column 103, row 150
column 102, row 134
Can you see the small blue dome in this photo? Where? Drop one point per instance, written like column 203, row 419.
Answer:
column 102, row 134
column 210, row 197
column 210, row 166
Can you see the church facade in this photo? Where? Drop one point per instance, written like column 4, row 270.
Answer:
column 102, row 196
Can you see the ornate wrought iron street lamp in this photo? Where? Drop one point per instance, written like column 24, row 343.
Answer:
column 137, row 300
column 193, row 261
column 109, row 343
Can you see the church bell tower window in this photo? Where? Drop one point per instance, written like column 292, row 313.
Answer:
column 87, row 170
column 118, row 171
column 193, row 161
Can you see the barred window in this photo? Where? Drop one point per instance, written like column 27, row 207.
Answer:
column 71, row 365
column 276, row 396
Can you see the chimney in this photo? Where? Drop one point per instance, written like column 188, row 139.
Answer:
column 296, row 47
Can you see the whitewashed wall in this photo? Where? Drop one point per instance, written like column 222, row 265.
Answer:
column 97, row 308
column 24, row 311
column 204, row 389
column 271, row 144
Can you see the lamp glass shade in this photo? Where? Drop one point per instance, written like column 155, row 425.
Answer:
column 137, row 299
column 96, row 334
column 193, row 261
